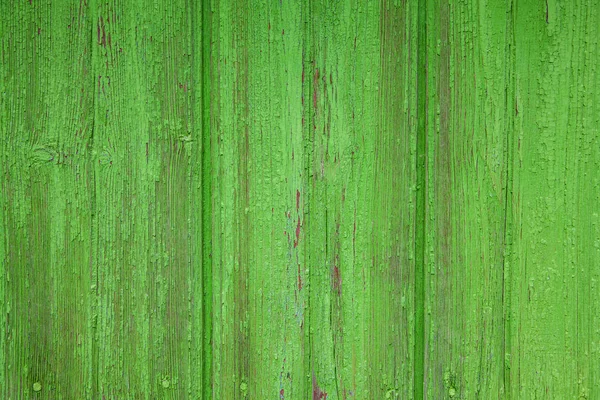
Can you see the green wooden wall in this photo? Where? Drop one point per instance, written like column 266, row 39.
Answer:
column 286, row 199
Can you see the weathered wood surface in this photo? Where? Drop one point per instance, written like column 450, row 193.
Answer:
column 299, row 199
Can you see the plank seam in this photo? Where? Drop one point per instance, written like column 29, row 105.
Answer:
column 419, row 303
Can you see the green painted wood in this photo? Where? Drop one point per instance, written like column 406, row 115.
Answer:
column 47, row 122
column 148, row 339
column 469, row 125
column 360, row 220
column 299, row 200
column 554, row 262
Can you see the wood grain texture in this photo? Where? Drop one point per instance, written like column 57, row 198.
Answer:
column 47, row 201
column 468, row 130
column 554, row 240
column 236, row 199
column 144, row 188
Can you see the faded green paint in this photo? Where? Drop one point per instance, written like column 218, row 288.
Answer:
column 299, row 200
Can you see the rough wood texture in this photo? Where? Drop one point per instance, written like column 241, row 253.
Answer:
column 248, row 199
column 469, row 126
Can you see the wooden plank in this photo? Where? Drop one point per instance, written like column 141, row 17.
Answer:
column 554, row 255
column 47, row 197
column 148, row 341
column 360, row 220
column 298, row 135
column 469, row 120
column 258, row 193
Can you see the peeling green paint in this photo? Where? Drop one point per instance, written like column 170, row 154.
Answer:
column 299, row 200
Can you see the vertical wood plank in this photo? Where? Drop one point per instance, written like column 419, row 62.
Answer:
column 47, row 195
column 360, row 223
column 143, row 160
column 277, row 302
column 392, row 342
column 258, row 196
column 554, row 270
column 468, row 121
column 228, row 138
